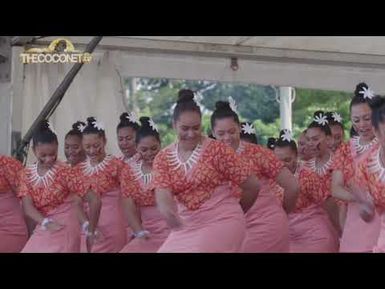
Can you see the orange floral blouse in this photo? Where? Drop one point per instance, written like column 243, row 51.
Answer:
column 48, row 191
column 138, row 185
column 102, row 178
column 211, row 164
column 10, row 169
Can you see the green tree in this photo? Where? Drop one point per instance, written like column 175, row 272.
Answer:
column 309, row 101
column 156, row 97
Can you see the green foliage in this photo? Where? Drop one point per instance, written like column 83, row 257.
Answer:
column 309, row 101
column 156, row 97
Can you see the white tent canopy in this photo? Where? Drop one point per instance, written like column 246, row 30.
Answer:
column 330, row 63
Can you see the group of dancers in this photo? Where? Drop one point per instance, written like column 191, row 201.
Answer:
column 218, row 193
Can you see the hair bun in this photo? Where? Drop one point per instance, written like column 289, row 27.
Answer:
column 185, row 95
column 360, row 87
column 76, row 125
column 222, row 105
column 90, row 120
column 318, row 113
column 44, row 125
column 145, row 121
column 123, row 117
column 271, row 142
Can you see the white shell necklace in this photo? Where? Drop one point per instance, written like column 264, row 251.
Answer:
column 362, row 148
column 189, row 163
column 321, row 171
column 375, row 167
column 45, row 180
column 139, row 174
column 89, row 169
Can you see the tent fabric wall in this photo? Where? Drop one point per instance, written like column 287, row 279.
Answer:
column 96, row 91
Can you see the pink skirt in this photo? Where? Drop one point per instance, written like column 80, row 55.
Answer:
column 380, row 244
column 65, row 240
column 112, row 226
column 13, row 230
column 359, row 236
column 267, row 228
column 153, row 222
column 217, row 226
column 311, row 231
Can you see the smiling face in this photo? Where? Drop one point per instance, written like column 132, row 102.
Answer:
column 288, row 156
column 317, row 142
column 188, row 127
column 94, row 146
column 46, row 154
column 227, row 130
column 126, row 141
column 73, row 149
column 337, row 137
column 361, row 117
column 148, row 147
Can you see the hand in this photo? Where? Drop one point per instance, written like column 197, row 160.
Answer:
column 367, row 211
column 168, row 208
column 143, row 234
column 92, row 238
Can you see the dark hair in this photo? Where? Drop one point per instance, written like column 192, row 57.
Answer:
column 43, row 134
column 271, row 143
column 252, row 137
column 75, row 130
column 331, row 120
column 358, row 97
column 210, row 134
column 223, row 110
column 92, row 129
column 125, row 122
column 185, row 103
column 353, row 132
column 146, row 130
column 324, row 127
column 378, row 111
column 280, row 142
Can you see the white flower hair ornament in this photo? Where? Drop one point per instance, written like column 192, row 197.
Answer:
column 81, row 127
column 132, row 117
column 50, row 127
column 248, row 128
column 232, row 104
column 287, row 136
column 197, row 98
column 337, row 117
column 321, row 119
column 153, row 125
column 98, row 125
column 366, row 93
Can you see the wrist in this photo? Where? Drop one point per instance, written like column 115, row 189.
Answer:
column 45, row 223
column 85, row 226
column 141, row 233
